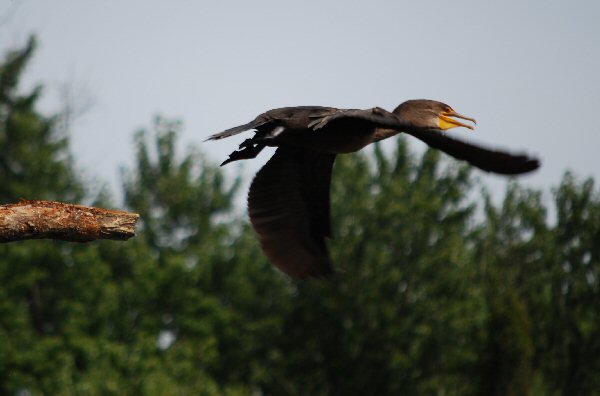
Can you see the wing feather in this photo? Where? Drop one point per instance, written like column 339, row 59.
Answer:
column 288, row 204
column 489, row 160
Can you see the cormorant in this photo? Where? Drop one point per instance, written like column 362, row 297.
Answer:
column 288, row 201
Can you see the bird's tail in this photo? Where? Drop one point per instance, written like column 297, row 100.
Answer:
column 235, row 130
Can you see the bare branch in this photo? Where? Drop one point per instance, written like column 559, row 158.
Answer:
column 56, row 220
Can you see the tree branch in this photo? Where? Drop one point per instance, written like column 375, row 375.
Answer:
column 56, row 220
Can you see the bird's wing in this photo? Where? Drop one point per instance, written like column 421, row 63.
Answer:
column 489, row 160
column 376, row 116
column 496, row 161
column 288, row 204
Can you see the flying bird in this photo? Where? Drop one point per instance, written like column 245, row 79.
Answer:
column 288, row 201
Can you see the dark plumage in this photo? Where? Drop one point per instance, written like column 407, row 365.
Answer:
column 288, row 201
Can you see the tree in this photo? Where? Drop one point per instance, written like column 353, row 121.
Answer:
column 542, row 291
column 34, row 163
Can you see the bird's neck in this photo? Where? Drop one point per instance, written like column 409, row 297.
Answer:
column 384, row 133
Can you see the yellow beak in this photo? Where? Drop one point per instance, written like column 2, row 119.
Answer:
column 446, row 121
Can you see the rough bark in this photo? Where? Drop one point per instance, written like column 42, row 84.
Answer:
column 56, row 220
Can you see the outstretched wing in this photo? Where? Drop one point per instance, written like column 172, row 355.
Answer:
column 496, row 161
column 489, row 160
column 376, row 116
column 288, row 204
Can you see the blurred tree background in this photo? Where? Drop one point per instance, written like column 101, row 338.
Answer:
column 440, row 291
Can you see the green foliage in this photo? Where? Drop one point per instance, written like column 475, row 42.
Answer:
column 543, row 290
column 433, row 296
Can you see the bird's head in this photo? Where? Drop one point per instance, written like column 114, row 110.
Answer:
column 430, row 114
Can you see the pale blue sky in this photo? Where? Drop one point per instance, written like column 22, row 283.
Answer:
column 528, row 71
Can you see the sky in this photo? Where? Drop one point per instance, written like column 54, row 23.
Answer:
column 528, row 71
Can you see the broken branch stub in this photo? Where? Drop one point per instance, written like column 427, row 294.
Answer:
column 57, row 220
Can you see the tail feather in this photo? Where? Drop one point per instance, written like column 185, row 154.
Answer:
column 232, row 131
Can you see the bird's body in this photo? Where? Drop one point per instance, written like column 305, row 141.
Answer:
column 288, row 201
column 291, row 126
